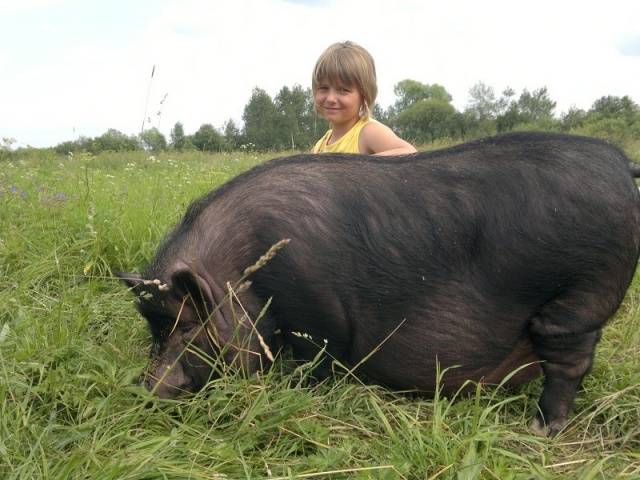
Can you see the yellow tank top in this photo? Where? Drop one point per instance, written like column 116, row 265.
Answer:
column 348, row 143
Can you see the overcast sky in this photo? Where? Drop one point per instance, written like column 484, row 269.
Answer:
column 79, row 67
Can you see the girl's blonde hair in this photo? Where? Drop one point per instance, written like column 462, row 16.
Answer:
column 348, row 64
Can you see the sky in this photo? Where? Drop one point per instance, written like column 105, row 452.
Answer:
column 79, row 67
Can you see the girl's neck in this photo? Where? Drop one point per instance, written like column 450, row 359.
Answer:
column 339, row 130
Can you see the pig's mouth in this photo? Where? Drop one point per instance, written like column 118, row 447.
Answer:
column 169, row 384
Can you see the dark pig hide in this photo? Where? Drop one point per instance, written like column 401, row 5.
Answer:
column 486, row 256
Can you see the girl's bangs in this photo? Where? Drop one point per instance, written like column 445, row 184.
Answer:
column 334, row 73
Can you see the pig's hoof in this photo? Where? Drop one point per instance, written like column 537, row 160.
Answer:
column 538, row 427
column 549, row 430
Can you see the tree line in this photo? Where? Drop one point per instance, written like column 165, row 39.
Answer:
column 422, row 113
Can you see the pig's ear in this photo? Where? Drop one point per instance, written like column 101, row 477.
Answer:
column 133, row 280
column 188, row 282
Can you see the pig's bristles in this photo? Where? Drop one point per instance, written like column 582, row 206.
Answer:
column 265, row 347
column 262, row 261
column 175, row 324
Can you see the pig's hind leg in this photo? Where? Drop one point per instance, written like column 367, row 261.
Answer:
column 564, row 335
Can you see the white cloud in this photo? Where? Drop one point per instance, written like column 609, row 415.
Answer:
column 5, row 58
column 8, row 7
column 630, row 45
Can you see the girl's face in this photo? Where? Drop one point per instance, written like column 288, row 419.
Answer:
column 338, row 104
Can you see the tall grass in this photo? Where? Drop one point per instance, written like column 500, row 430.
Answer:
column 72, row 346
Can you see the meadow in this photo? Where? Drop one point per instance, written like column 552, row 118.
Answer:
column 72, row 346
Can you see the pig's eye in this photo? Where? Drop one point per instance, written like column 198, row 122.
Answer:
column 186, row 328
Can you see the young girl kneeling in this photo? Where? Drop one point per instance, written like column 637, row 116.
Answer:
column 344, row 89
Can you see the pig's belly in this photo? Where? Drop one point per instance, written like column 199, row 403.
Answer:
column 401, row 367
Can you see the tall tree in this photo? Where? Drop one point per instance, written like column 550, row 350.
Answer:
column 379, row 114
column 153, row 140
column 427, row 120
column 177, row 136
column 409, row 92
column 616, row 107
column 573, row 118
column 5, row 147
column 113, row 140
column 232, row 135
column 506, row 99
column 482, row 104
column 616, row 119
column 295, row 110
column 260, row 121
column 207, row 139
column 482, row 109
column 536, row 106
column 421, row 112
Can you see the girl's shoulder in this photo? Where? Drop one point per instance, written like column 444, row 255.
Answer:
column 373, row 126
column 376, row 136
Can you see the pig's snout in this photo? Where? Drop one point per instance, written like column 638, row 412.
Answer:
column 168, row 381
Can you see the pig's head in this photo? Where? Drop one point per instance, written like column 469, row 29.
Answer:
column 195, row 328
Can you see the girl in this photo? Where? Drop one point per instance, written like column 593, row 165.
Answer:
column 344, row 89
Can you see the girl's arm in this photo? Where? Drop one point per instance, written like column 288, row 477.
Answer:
column 378, row 139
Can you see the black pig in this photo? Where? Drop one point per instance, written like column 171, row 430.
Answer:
column 486, row 256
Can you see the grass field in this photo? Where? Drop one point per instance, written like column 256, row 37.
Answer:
column 71, row 345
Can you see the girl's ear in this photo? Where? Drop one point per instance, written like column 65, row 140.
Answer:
column 364, row 109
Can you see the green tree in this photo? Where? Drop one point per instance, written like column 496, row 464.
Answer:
column 616, row 107
column 232, row 135
column 573, row 118
column 113, row 140
column 153, row 140
column 482, row 109
column 207, row 139
column 427, row 120
column 505, row 100
column 380, row 114
column 536, row 106
column 460, row 125
column 5, row 147
column 511, row 117
column 616, row 119
column 178, row 138
column 295, row 111
column 409, row 92
column 423, row 112
column 7, row 142
column 482, row 104
column 534, row 109
column 260, row 121
column 614, row 130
